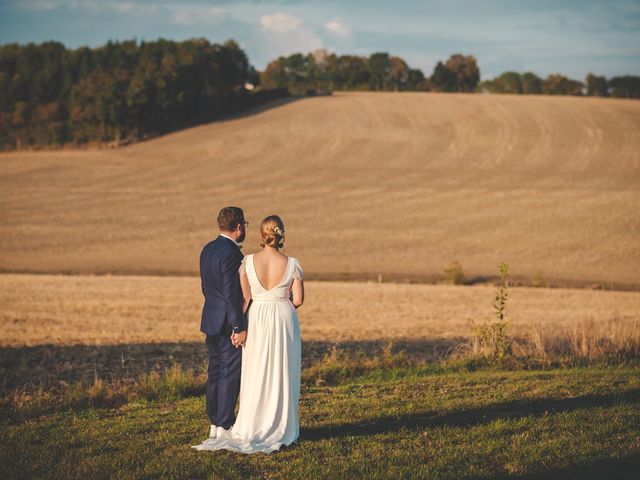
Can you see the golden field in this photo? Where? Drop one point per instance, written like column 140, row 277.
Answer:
column 398, row 184
column 112, row 310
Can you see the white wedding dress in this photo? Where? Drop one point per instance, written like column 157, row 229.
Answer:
column 270, row 375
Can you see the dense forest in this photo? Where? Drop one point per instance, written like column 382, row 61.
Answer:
column 127, row 91
column 120, row 92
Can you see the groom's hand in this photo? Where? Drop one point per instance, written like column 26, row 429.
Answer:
column 238, row 339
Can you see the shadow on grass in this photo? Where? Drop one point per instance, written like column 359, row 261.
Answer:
column 470, row 417
column 47, row 365
column 625, row 468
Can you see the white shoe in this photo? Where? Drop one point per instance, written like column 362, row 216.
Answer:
column 222, row 433
column 213, row 431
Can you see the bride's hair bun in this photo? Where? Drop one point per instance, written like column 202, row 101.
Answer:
column 272, row 232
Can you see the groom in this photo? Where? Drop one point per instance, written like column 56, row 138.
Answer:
column 222, row 318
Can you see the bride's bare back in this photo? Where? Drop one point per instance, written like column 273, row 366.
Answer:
column 271, row 266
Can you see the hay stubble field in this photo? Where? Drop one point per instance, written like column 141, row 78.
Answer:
column 367, row 184
column 100, row 310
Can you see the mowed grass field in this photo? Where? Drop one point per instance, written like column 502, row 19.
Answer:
column 561, row 424
column 367, row 183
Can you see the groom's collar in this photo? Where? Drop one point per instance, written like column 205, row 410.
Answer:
column 228, row 237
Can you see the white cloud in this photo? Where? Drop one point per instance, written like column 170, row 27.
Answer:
column 284, row 34
column 338, row 27
column 280, row 22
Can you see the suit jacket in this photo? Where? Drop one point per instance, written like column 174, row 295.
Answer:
column 219, row 263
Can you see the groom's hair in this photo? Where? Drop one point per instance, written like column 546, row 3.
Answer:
column 229, row 218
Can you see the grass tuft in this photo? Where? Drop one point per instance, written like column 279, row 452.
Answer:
column 172, row 384
column 338, row 366
column 169, row 385
column 454, row 273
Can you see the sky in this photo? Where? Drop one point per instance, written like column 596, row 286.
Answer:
column 571, row 37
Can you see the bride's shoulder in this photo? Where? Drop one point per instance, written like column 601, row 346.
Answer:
column 297, row 269
column 246, row 260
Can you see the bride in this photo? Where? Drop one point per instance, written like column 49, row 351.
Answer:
column 273, row 288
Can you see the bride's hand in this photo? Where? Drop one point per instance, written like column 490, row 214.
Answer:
column 240, row 338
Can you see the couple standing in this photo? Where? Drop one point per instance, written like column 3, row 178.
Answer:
column 253, row 337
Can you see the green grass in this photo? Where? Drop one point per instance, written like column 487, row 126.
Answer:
column 409, row 422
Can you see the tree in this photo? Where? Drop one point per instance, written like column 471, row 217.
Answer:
column 597, row 86
column 297, row 68
column 417, row 81
column 379, row 65
column 508, row 82
column 459, row 74
column 465, row 70
column 49, row 124
column 355, row 72
column 626, row 86
column 275, row 75
column 443, row 79
column 319, row 71
column 235, row 65
column 531, row 83
column 557, row 84
column 399, row 73
column 511, row 82
column 21, row 114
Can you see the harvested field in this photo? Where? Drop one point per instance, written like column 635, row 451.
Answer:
column 367, row 184
column 101, row 310
column 70, row 328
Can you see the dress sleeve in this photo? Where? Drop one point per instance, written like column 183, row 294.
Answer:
column 243, row 269
column 298, row 273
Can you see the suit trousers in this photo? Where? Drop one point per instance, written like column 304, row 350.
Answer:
column 223, row 382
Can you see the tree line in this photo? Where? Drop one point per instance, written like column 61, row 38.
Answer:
column 627, row 86
column 321, row 71
column 126, row 91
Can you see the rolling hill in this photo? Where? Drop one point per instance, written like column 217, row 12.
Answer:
column 398, row 184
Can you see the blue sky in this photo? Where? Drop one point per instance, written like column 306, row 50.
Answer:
column 572, row 37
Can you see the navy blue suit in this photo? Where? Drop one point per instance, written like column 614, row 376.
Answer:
column 222, row 315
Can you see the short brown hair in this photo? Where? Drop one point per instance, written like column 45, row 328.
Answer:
column 229, row 218
column 272, row 231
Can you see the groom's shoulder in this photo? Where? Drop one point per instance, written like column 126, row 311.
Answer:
column 220, row 245
column 212, row 245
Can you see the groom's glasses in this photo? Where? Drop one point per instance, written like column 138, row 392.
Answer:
column 245, row 223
